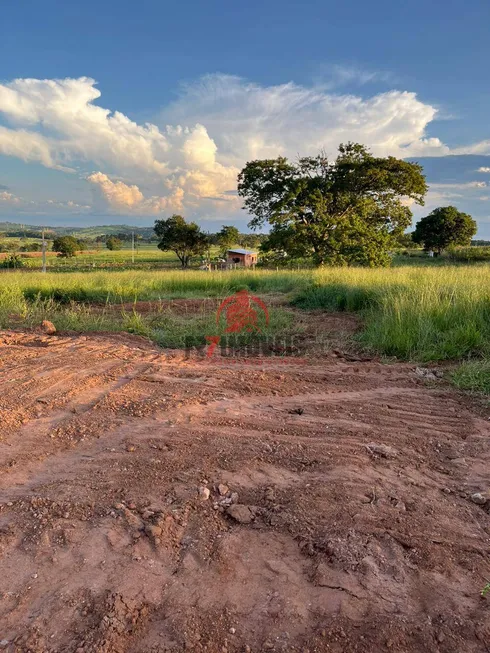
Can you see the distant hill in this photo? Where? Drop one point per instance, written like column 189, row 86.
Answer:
column 31, row 231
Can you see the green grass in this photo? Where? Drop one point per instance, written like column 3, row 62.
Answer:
column 115, row 286
column 84, row 302
column 146, row 256
column 473, row 376
column 164, row 326
column 414, row 313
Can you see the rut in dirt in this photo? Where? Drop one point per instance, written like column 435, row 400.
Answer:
column 339, row 516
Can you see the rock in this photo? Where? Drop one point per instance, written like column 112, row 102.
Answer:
column 48, row 327
column 223, row 489
column 153, row 531
column 240, row 513
column 146, row 514
column 130, row 447
column 204, row 493
column 478, row 498
column 296, row 411
column 270, row 495
column 382, row 450
column 119, row 506
column 4, row 643
column 234, row 497
column 429, row 375
column 133, row 520
column 459, row 461
column 232, row 631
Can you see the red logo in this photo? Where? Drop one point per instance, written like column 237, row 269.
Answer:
column 241, row 312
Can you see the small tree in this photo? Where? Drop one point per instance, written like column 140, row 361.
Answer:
column 444, row 227
column 82, row 244
column 66, row 246
column 227, row 237
column 114, row 243
column 12, row 261
column 185, row 239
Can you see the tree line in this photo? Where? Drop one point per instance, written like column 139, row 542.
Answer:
column 353, row 210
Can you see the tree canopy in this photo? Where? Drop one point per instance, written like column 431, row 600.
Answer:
column 113, row 243
column 66, row 246
column 347, row 211
column 183, row 238
column 444, row 227
column 227, row 237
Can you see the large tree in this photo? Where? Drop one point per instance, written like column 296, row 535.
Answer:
column 346, row 211
column 444, row 227
column 184, row 238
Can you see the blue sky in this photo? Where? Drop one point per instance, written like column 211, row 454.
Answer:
column 144, row 109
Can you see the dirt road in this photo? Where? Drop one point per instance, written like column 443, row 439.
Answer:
column 339, row 515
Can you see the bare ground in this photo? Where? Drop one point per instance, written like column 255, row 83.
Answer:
column 329, row 545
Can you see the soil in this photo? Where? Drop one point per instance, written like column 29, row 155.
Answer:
column 151, row 502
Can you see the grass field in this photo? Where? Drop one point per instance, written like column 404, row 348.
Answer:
column 412, row 313
column 145, row 256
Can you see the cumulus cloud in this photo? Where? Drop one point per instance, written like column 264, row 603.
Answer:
column 484, row 169
column 56, row 122
column 249, row 121
column 120, row 197
column 189, row 159
column 8, row 198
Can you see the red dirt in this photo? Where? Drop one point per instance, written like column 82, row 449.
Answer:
column 107, row 546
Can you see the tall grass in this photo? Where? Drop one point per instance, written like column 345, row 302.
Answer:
column 85, row 302
column 130, row 285
column 410, row 312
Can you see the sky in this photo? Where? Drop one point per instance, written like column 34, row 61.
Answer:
column 124, row 112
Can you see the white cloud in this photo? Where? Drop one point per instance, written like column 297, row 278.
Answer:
column 8, row 198
column 120, row 197
column 482, row 147
column 189, row 160
column 460, row 186
column 483, row 169
column 9, row 201
column 249, row 121
column 336, row 75
column 61, row 124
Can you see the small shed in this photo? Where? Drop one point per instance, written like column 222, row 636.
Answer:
column 243, row 257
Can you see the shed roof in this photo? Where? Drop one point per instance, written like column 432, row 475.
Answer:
column 241, row 251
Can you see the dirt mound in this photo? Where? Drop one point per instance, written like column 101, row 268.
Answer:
column 151, row 503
